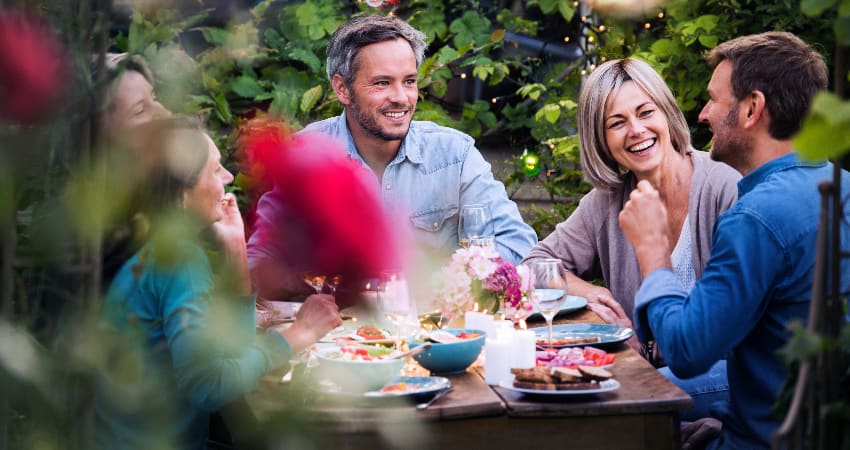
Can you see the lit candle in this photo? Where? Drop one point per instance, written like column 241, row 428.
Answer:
column 497, row 365
column 479, row 321
column 525, row 347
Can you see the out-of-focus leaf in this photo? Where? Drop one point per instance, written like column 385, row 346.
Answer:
column 814, row 8
column 826, row 131
column 309, row 99
column 246, row 87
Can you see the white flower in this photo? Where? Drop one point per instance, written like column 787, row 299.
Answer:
column 375, row 3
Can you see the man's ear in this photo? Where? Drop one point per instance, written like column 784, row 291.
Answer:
column 343, row 93
column 754, row 107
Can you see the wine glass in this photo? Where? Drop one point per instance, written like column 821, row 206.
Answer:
column 316, row 281
column 549, row 281
column 475, row 221
column 334, row 283
column 394, row 301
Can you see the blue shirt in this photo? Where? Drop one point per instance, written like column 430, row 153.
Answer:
column 436, row 171
column 181, row 352
column 757, row 280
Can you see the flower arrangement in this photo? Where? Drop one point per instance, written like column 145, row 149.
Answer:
column 478, row 275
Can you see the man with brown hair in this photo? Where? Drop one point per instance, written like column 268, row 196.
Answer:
column 759, row 275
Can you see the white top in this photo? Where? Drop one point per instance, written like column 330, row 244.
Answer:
column 683, row 265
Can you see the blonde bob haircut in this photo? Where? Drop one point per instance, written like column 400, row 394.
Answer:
column 599, row 166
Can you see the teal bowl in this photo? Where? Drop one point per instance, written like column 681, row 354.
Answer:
column 449, row 358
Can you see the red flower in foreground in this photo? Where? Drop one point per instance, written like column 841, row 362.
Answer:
column 333, row 218
column 32, row 67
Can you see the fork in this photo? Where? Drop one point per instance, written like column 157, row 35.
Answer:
column 425, row 405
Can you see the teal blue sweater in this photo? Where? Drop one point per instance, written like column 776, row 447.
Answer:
column 181, row 352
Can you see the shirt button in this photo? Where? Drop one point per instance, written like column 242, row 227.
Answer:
column 436, row 225
column 389, row 187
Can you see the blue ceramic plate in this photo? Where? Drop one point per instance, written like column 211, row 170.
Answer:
column 605, row 386
column 571, row 303
column 406, row 386
column 583, row 334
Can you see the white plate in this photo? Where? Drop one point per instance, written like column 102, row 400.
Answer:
column 605, row 386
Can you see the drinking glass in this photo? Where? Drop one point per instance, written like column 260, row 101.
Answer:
column 334, row 283
column 549, row 281
column 475, row 221
column 316, row 281
column 394, row 301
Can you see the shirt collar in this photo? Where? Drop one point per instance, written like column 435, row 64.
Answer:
column 409, row 149
column 761, row 173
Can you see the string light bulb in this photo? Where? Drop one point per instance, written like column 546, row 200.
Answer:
column 584, row 18
column 601, row 28
column 646, row 25
column 583, row 72
column 494, row 100
column 566, row 39
column 463, row 76
column 575, row 4
column 661, row 15
column 603, row 59
column 590, row 39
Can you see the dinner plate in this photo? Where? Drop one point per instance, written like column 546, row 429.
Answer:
column 603, row 333
column 604, row 386
column 348, row 331
column 413, row 387
column 571, row 303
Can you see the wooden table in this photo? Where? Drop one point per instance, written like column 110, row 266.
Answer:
column 642, row 414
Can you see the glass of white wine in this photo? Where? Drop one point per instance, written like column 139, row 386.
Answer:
column 394, row 301
column 475, row 221
column 549, row 281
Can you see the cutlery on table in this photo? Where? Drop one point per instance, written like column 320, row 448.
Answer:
column 425, row 405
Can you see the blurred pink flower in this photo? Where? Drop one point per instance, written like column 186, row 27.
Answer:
column 33, row 67
column 329, row 197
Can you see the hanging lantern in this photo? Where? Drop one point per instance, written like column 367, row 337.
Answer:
column 530, row 163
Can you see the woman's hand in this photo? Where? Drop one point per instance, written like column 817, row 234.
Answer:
column 317, row 317
column 610, row 310
column 230, row 234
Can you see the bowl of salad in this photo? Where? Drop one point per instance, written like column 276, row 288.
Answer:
column 452, row 350
column 356, row 368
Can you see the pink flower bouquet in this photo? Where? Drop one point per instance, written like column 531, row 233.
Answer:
column 479, row 275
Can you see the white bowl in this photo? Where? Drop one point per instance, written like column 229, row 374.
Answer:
column 355, row 376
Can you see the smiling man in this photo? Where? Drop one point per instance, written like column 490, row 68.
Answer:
column 426, row 172
column 759, row 276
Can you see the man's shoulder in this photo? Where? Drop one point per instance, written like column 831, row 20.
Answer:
column 439, row 146
column 328, row 125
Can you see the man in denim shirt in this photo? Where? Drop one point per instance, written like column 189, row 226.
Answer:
column 759, row 276
column 425, row 171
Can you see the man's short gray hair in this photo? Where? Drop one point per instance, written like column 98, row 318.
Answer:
column 350, row 37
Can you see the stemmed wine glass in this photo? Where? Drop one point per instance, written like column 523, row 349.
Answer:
column 334, row 283
column 475, row 221
column 549, row 281
column 394, row 301
column 315, row 281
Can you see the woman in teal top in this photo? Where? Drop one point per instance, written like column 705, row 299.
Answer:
column 190, row 343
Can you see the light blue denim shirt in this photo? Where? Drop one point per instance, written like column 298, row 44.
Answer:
column 758, row 280
column 436, row 172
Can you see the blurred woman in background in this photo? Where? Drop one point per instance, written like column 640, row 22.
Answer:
column 189, row 329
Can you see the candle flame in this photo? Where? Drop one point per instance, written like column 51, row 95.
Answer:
column 522, row 325
column 368, row 286
column 475, row 307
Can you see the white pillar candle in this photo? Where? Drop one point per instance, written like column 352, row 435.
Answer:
column 525, row 348
column 480, row 321
column 497, row 365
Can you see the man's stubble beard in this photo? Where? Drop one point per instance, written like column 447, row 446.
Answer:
column 370, row 125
